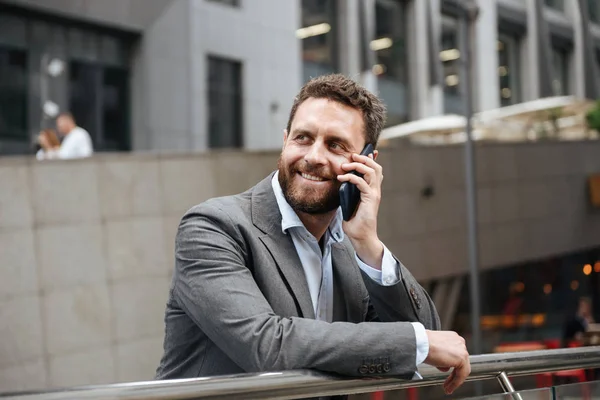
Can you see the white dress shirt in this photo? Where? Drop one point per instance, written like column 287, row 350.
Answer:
column 77, row 144
column 317, row 264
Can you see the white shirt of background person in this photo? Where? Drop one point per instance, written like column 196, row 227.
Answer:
column 77, row 142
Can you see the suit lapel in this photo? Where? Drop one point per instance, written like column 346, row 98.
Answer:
column 346, row 272
column 267, row 217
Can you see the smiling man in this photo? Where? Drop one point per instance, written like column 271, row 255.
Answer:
column 274, row 278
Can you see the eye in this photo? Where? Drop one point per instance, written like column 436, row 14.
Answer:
column 336, row 146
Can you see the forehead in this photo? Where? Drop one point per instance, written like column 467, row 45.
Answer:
column 324, row 116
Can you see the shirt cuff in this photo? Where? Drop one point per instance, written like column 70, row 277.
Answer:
column 388, row 276
column 422, row 342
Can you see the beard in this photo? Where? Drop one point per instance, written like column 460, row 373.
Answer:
column 305, row 199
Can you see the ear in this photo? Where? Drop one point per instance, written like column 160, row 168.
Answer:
column 285, row 136
column 375, row 154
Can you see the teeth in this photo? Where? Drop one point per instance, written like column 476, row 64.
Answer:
column 312, row 178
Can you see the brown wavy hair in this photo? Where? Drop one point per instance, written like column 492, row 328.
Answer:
column 344, row 90
column 51, row 136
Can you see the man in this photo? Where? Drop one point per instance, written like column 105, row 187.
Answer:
column 77, row 142
column 578, row 324
column 274, row 279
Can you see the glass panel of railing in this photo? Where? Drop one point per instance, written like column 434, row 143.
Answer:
column 535, row 394
column 584, row 390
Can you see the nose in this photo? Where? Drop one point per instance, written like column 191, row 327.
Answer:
column 316, row 155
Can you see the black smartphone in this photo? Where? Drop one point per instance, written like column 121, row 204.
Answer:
column 349, row 193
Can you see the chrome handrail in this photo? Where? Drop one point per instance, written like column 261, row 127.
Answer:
column 304, row 383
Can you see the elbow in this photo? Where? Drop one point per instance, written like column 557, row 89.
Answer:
column 275, row 347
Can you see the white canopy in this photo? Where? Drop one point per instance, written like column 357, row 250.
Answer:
column 441, row 124
column 562, row 117
column 563, row 105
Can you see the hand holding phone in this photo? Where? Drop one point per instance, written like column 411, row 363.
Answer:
column 349, row 193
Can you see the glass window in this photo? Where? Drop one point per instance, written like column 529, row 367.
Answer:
column 225, row 119
column 594, row 10
column 94, row 86
column 508, row 69
column 115, row 109
column 98, row 99
column 13, row 94
column 318, row 35
column 13, row 31
column 232, row 3
column 84, row 97
column 113, row 51
column 450, row 55
column 84, row 45
column 560, row 68
column 390, row 50
column 557, row 4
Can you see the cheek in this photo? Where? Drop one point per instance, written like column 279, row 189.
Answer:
column 336, row 164
column 291, row 157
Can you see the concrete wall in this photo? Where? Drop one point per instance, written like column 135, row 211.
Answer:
column 532, row 203
column 86, row 247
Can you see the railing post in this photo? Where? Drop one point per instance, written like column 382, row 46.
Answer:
column 507, row 386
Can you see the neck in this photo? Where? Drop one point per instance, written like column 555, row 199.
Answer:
column 316, row 224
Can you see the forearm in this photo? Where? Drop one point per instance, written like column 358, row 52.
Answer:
column 257, row 340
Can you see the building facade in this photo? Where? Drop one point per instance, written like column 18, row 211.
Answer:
column 165, row 75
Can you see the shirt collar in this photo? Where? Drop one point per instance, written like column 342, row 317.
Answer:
column 289, row 218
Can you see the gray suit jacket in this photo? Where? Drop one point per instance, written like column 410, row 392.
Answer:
column 239, row 301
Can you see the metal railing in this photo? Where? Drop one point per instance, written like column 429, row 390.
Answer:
column 303, row 383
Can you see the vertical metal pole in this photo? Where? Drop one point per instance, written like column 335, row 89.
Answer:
column 43, row 89
column 467, row 15
column 507, row 386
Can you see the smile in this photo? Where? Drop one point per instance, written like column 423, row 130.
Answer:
column 312, row 178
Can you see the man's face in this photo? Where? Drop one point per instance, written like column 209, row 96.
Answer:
column 63, row 125
column 585, row 308
column 323, row 135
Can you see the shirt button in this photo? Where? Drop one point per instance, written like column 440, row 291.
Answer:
column 389, row 280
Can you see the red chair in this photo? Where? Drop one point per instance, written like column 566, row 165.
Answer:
column 547, row 379
column 411, row 393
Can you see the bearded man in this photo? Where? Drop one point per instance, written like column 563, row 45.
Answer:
column 275, row 279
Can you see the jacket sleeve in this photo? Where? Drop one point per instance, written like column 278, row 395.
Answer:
column 215, row 288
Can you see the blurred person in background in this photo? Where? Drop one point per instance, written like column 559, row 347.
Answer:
column 49, row 145
column 275, row 279
column 577, row 325
column 77, row 142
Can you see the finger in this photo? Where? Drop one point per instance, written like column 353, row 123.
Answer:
column 360, row 183
column 368, row 172
column 443, row 369
column 448, row 382
column 370, row 161
column 460, row 375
